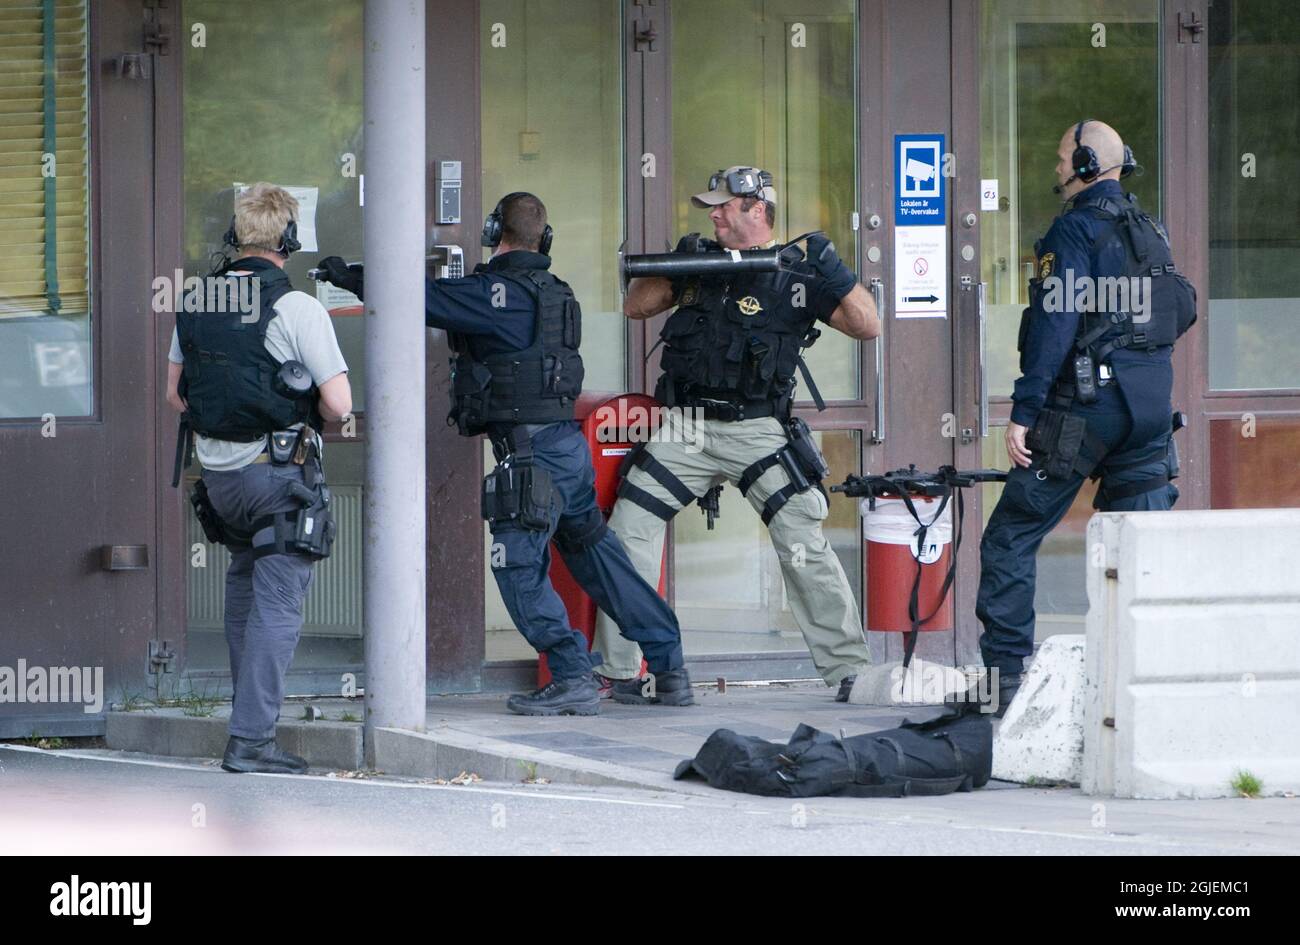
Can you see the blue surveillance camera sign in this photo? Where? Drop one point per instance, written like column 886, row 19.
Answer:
column 920, row 227
column 920, row 186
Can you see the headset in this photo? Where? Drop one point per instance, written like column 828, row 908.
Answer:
column 1087, row 167
column 745, row 182
column 493, row 225
column 289, row 243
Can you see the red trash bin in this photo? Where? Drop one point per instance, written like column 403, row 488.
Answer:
column 608, row 421
column 892, row 556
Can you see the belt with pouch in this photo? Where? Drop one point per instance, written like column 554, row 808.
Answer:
column 517, row 441
column 288, row 446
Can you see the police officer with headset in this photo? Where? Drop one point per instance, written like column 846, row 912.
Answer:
column 1094, row 396
column 253, row 388
column 731, row 351
column 514, row 331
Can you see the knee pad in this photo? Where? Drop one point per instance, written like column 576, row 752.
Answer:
column 579, row 533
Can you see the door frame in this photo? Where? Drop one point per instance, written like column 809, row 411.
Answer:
column 100, row 618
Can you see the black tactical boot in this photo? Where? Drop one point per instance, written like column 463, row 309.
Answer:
column 1008, row 686
column 262, row 755
column 670, row 688
column 975, row 698
column 846, row 686
column 577, row 696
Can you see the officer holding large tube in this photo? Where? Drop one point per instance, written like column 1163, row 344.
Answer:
column 731, row 352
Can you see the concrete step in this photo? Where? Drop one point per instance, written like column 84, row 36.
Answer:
column 335, row 745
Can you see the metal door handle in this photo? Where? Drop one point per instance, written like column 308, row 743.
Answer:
column 982, row 317
column 878, row 293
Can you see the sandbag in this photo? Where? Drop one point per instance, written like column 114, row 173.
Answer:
column 952, row 752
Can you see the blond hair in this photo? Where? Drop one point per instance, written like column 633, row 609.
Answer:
column 261, row 214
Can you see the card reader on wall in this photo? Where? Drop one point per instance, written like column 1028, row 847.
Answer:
column 449, row 260
column 449, row 191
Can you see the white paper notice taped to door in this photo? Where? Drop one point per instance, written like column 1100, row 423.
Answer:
column 920, row 271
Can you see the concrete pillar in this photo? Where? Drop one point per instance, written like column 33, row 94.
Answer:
column 394, row 231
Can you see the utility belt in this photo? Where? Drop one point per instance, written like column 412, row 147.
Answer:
column 802, row 461
column 308, row 531
column 729, row 411
column 517, row 492
column 1088, row 370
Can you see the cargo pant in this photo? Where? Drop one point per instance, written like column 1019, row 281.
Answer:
column 702, row 454
column 521, row 564
column 1032, row 504
column 264, row 596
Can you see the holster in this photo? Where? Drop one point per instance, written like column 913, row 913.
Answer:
column 313, row 526
column 213, row 528
column 1057, row 440
column 804, row 449
column 520, row 495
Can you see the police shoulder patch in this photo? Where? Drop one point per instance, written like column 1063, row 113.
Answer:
column 1045, row 265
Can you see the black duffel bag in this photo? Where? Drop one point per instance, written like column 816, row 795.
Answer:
column 953, row 752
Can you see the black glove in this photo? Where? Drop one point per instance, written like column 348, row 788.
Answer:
column 339, row 273
column 827, row 264
column 695, row 243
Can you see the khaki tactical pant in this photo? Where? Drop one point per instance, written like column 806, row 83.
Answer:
column 702, row 453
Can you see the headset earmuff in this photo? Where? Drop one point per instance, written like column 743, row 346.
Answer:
column 1084, row 161
column 1130, row 162
column 289, row 243
column 493, row 226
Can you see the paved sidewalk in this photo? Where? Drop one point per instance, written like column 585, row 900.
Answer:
column 656, row 738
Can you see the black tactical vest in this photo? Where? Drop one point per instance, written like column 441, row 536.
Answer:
column 1172, row 300
column 228, row 377
column 737, row 339
column 537, row 384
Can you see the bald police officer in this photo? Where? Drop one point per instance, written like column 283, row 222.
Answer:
column 730, row 355
column 1093, row 398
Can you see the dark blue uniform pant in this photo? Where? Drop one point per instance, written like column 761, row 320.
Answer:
column 1031, row 507
column 521, row 560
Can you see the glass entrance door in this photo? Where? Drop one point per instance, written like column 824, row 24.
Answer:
column 773, row 84
column 1044, row 65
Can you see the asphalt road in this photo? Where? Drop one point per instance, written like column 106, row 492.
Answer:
column 106, row 802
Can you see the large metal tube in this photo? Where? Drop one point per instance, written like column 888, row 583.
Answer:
column 701, row 264
column 393, row 228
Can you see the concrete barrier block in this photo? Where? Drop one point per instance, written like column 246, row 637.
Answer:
column 1193, row 653
column 1041, row 736
column 922, row 683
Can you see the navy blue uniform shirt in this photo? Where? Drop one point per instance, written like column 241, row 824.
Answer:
column 466, row 305
column 1071, row 245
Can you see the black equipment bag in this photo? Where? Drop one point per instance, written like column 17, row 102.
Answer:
column 953, row 752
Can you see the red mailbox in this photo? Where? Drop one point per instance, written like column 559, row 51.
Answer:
column 608, row 422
